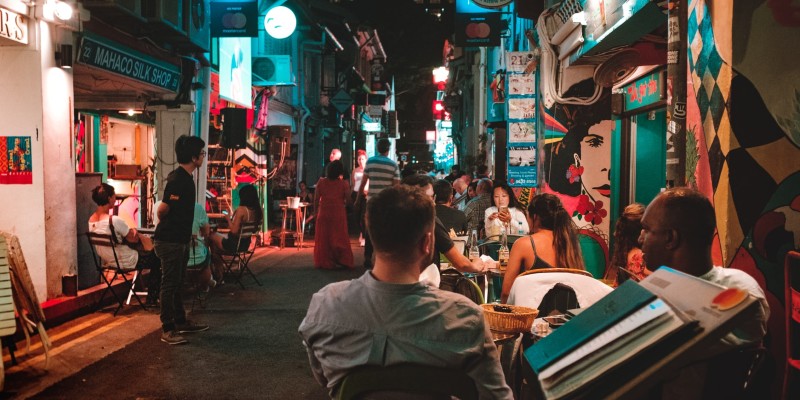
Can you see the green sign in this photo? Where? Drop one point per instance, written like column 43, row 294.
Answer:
column 644, row 91
column 113, row 57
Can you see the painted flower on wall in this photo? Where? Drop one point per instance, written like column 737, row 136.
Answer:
column 574, row 173
column 589, row 210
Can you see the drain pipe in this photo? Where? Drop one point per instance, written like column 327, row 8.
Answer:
column 306, row 112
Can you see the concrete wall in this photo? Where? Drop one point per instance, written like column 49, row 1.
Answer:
column 37, row 102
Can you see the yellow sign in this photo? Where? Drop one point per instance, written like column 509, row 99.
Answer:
column 13, row 26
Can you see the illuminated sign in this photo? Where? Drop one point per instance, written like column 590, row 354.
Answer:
column 13, row 26
column 492, row 3
column 371, row 126
column 280, row 22
column 113, row 57
column 234, row 19
column 235, row 74
column 645, row 91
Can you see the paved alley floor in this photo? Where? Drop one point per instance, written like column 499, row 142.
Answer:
column 252, row 350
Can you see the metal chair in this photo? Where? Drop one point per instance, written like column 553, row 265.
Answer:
column 413, row 381
column 548, row 270
column 791, row 374
column 241, row 257
column 107, row 240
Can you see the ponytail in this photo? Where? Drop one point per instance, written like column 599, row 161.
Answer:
column 552, row 215
column 565, row 239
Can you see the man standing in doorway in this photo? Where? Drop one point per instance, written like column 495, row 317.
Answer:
column 380, row 173
column 173, row 235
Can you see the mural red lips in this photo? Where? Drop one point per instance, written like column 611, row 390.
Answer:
column 604, row 190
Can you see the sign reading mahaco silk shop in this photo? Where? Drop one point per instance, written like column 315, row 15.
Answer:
column 113, row 57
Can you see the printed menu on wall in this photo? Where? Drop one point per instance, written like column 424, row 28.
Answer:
column 521, row 92
column 15, row 160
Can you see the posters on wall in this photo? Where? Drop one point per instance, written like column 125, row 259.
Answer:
column 15, row 160
column 521, row 92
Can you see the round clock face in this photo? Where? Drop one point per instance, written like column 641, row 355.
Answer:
column 280, row 22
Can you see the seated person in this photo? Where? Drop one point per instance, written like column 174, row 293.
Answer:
column 451, row 218
column 140, row 256
column 443, row 244
column 249, row 210
column 678, row 231
column 626, row 259
column 199, row 256
column 505, row 213
column 476, row 208
column 387, row 317
column 553, row 242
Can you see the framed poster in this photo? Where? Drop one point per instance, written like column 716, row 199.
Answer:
column 16, row 161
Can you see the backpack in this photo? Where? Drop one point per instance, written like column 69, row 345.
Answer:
column 454, row 281
column 558, row 300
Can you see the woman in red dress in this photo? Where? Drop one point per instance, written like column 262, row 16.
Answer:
column 331, row 240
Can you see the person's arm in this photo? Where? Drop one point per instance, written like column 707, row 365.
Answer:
column 236, row 221
column 516, row 263
column 122, row 229
column 163, row 210
column 316, row 200
column 462, row 263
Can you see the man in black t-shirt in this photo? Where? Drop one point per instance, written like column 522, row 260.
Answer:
column 451, row 218
column 173, row 235
column 442, row 242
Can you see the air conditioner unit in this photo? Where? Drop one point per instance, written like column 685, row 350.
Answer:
column 164, row 14
column 196, row 24
column 116, row 8
column 272, row 70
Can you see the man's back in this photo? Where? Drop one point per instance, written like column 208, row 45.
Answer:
column 382, row 172
column 451, row 218
column 368, row 322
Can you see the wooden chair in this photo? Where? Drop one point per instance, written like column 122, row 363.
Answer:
column 547, row 270
column 791, row 375
column 241, row 258
column 106, row 240
column 408, row 381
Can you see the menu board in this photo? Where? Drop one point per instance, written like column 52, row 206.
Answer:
column 521, row 92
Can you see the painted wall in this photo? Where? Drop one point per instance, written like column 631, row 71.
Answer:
column 43, row 220
column 742, row 123
column 577, row 158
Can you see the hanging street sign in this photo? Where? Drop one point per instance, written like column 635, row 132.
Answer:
column 341, row 101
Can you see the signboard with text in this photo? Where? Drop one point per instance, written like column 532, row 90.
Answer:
column 477, row 30
column 522, row 143
column 647, row 90
column 118, row 59
column 234, row 19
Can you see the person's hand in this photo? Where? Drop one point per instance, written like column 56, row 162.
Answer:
column 504, row 215
column 493, row 215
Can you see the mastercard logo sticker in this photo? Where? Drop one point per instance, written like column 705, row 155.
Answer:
column 478, row 30
column 728, row 299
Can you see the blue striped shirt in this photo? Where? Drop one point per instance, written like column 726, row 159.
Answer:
column 382, row 173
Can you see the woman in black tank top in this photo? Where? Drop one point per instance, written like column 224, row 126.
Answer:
column 551, row 223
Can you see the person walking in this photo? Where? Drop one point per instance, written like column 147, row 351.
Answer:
column 331, row 241
column 380, row 173
column 173, row 236
column 355, row 183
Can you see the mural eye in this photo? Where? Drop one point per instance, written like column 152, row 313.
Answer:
column 594, row 140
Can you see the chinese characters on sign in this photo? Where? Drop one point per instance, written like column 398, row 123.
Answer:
column 522, row 148
column 645, row 91
column 15, row 160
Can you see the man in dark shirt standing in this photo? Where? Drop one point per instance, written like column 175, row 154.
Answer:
column 173, row 235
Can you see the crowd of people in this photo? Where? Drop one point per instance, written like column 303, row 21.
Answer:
column 389, row 316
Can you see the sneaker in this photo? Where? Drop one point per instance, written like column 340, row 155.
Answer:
column 212, row 284
column 173, row 337
column 190, row 327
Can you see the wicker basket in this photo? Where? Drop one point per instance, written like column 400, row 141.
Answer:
column 520, row 319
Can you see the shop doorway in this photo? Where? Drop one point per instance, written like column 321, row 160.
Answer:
column 648, row 155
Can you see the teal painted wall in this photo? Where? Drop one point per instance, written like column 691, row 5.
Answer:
column 651, row 167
